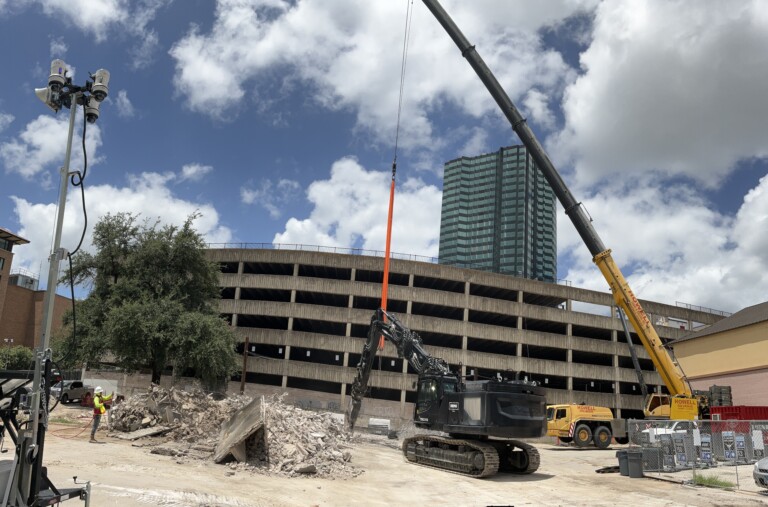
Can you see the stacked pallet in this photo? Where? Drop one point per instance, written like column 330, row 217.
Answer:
column 720, row 396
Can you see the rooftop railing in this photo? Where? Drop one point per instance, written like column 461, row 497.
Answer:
column 370, row 253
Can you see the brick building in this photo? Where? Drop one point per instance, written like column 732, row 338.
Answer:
column 21, row 304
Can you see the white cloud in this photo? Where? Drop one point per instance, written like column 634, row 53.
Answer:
column 349, row 55
column 103, row 19
column 58, row 47
column 91, row 17
column 194, row 172
column 351, row 208
column 669, row 88
column 5, row 120
column 141, row 196
column 42, row 144
column 536, row 103
column 672, row 246
column 477, row 142
column 270, row 196
column 143, row 54
column 124, row 106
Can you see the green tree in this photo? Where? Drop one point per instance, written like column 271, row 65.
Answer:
column 152, row 300
column 17, row 357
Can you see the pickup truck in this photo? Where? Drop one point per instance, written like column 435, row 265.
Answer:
column 71, row 390
column 665, row 428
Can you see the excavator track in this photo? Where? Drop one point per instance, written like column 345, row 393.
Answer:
column 525, row 459
column 470, row 458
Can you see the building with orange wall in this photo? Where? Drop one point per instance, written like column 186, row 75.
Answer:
column 732, row 352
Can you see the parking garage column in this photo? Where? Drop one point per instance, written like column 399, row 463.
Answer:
column 239, row 278
column 409, row 303
column 404, row 390
column 285, row 366
column 351, row 302
column 464, row 326
column 287, row 346
column 464, row 338
column 569, row 351
column 345, row 364
column 616, row 371
column 237, row 290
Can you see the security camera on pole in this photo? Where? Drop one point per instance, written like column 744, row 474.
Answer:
column 59, row 93
column 27, row 482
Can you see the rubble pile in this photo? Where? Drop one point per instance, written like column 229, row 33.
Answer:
column 291, row 442
column 192, row 416
column 300, row 442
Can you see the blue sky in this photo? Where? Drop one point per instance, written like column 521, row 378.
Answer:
column 276, row 121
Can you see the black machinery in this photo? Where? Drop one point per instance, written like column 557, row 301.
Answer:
column 481, row 417
column 24, row 480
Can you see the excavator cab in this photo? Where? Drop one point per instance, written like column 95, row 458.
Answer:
column 431, row 395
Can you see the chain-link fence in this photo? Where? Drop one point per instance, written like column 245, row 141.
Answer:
column 712, row 453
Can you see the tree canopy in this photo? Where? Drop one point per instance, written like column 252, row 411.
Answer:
column 16, row 357
column 151, row 302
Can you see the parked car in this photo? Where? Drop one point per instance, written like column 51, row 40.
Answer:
column 761, row 473
column 71, row 390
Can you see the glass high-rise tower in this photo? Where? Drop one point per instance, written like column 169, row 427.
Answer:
column 498, row 215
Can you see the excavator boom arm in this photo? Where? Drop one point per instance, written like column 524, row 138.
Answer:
column 409, row 346
column 669, row 371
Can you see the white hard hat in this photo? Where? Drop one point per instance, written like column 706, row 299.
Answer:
column 98, row 390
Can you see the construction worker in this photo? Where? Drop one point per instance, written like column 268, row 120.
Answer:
column 98, row 409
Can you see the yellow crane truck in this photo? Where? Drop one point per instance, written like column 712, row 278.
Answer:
column 585, row 425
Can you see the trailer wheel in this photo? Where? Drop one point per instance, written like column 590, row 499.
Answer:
column 602, row 437
column 583, row 435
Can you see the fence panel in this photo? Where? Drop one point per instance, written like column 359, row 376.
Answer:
column 712, row 453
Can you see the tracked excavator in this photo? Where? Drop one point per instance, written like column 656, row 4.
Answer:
column 482, row 418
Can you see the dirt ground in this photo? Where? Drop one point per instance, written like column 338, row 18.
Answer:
column 124, row 474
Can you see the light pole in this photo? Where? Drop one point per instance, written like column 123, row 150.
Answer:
column 59, row 93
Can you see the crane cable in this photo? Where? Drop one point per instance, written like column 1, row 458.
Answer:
column 385, row 281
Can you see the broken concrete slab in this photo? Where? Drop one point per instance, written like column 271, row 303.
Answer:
column 146, row 432
column 234, row 433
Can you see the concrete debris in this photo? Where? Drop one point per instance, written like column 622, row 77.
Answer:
column 245, row 428
column 193, row 415
column 144, row 432
column 301, row 442
column 277, row 439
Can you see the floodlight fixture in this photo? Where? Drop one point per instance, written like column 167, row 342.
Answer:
column 61, row 92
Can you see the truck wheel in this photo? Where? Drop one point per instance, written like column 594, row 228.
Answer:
column 602, row 437
column 583, row 435
column 621, row 440
column 566, row 440
column 64, row 399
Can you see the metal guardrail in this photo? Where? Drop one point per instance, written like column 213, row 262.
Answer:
column 712, row 453
column 702, row 309
column 370, row 253
column 24, row 272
